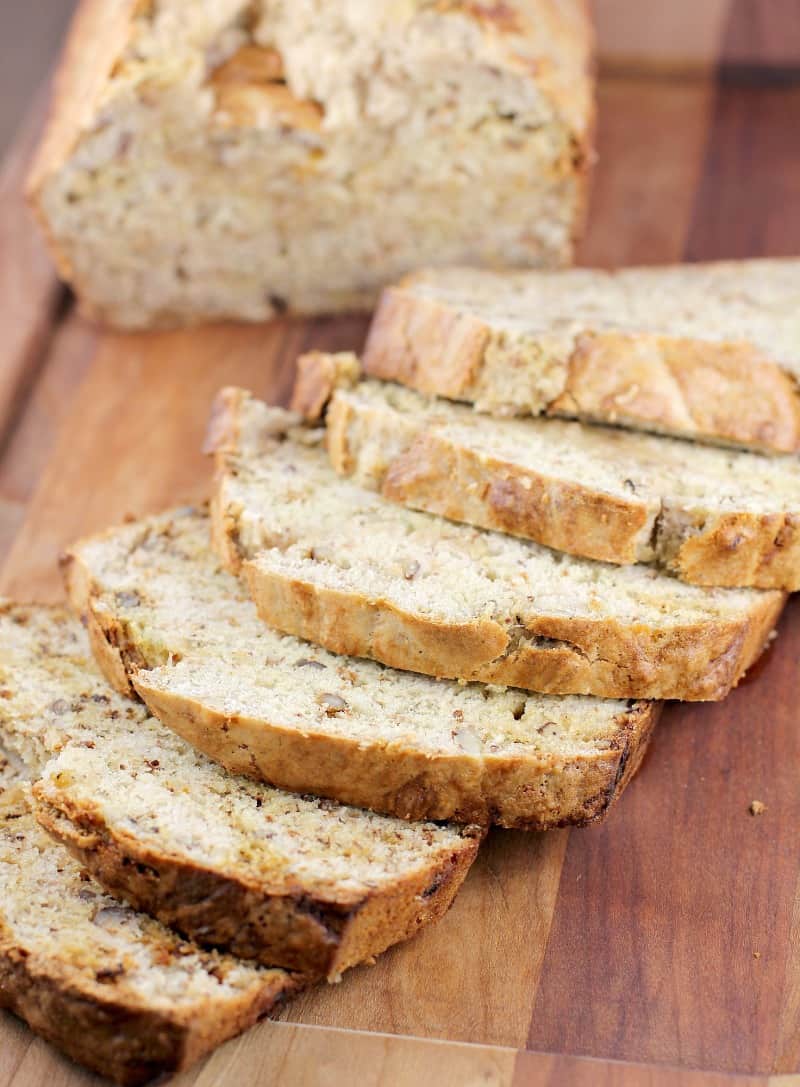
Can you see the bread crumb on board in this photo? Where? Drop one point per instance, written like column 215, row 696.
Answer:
column 757, row 807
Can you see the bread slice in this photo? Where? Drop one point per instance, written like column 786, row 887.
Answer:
column 283, row 879
column 243, row 158
column 267, row 705
column 703, row 351
column 710, row 516
column 110, row 987
column 338, row 564
column 12, row 771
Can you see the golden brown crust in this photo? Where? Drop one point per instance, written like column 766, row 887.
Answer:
column 440, row 476
column 731, row 549
column 723, row 392
column 719, row 391
column 436, row 473
column 319, row 374
column 106, row 644
column 316, row 936
column 423, row 344
column 694, row 662
column 512, row 792
column 128, row 1044
column 400, row 781
column 97, row 36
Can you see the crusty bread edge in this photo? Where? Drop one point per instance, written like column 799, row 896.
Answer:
column 97, row 35
column 511, row 791
column 353, row 931
column 698, row 661
column 128, row 1045
column 727, row 548
column 441, row 350
column 436, row 475
column 126, row 1042
column 326, row 936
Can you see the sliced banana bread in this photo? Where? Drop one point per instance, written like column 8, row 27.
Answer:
column 710, row 516
column 162, row 610
column 331, row 561
column 283, row 879
column 703, row 351
column 110, row 987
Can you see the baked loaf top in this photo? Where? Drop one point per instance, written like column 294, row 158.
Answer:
column 213, row 157
column 703, row 351
column 286, row 879
column 163, row 611
column 334, row 562
column 111, row 987
column 710, row 516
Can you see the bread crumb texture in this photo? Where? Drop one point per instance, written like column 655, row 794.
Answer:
column 336, row 562
column 240, row 863
column 111, row 987
column 710, row 516
column 395, row 741
column 703, row 351
column 222, row 157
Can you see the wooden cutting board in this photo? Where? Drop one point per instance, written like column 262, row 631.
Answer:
column 667, row 938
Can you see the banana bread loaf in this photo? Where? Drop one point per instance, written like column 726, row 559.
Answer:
column 231, row 158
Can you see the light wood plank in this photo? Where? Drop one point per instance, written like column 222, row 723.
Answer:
column 131, row 441
column 474, row 976
column 643, row 194
column 38, row 1062
column 678, row 36
column 553, row 1070
column 282, row 1054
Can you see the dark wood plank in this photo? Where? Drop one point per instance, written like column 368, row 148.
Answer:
column 747, row 203
column 30, row 38
column 682, row 925
column 29, row 291
column 643, row 192
column 679, row 922
column 762, row 34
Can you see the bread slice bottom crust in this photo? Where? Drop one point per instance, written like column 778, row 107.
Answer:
column 529, row 789
column 442, row 459
column 286, row 880
column 692, row 662
column 316, row 937
column 710, row 388
column 79, row 999
column 368, row 578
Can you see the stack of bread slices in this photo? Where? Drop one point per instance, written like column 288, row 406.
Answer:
column 267, row 740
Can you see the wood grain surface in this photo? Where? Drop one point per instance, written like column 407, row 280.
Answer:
column 661, row 948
